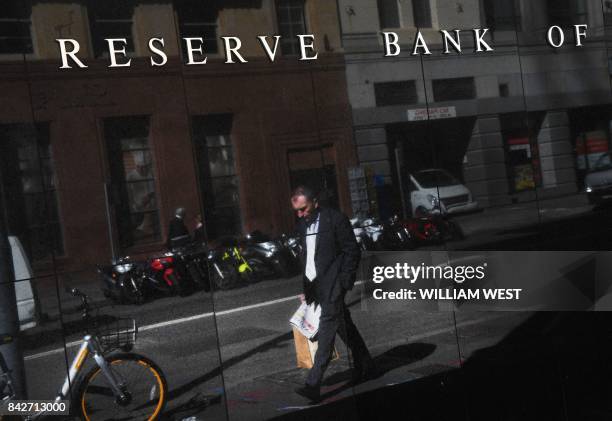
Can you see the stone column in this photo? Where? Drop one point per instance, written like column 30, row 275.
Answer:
column 373, row 151
column 557, row 161
column 484, row 167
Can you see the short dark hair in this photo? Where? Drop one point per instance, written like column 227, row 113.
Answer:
column 306, row 191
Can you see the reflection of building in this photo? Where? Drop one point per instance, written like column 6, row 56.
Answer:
column 504, row 122
column 129, row 145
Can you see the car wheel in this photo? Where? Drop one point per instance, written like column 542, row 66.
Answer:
column 421, row 212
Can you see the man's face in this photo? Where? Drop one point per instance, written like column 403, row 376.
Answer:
column 303, row 207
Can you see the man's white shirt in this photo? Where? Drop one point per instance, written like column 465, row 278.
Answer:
column 311, row 244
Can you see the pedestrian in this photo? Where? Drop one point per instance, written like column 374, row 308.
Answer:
column 177, row 230
column 330, row 257
column 199, row 233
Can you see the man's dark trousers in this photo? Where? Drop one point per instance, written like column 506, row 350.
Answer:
column 335, row 317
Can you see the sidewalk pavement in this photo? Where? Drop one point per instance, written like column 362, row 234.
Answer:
column 273, row 395
column 524, row 214
column 554, row 366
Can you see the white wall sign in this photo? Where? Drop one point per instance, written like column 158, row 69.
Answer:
column 435, row 113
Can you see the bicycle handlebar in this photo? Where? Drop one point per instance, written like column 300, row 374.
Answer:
column 75, row 292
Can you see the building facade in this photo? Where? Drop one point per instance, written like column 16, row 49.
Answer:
column 96, row 159
column 519, row 122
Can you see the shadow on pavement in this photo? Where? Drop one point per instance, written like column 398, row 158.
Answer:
column 217, row 371
column 195, row 404
column 390, row 360
column 555, row 366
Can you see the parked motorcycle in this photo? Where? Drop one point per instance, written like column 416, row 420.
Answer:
column 191, row 263
column 269, row 257
column 433, row 228
column 369, row 233
column 249, row 272
column 450, row 229
column 164, row 275
column 396, row 235
column 374, row 231
column 221, row 270
column 294, row 246
column 124, row 281
column 363, row 239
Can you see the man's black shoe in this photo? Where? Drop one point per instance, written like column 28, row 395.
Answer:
column 310, row 392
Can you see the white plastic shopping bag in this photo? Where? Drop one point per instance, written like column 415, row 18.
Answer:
column 306, row 319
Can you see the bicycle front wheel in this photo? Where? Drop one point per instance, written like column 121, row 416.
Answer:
column 142, row 381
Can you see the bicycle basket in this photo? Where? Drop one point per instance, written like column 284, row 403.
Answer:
column 118, row 334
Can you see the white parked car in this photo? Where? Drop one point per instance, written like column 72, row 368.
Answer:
column 598, row 181
column 26, row 299
column 437, row 191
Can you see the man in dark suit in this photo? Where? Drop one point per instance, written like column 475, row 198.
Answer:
column 177, row 230
column 330, row 256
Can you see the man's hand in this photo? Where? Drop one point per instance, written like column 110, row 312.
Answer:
column 351, row 253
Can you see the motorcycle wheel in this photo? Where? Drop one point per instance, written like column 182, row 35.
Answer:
column 255, row 274
column 368, row 244
column 379, row 244
column 130, row 294
column 223, row 277
column 281, row 268
column 196, row 276
column 408, row 241
column 456, row 233
column 253, row 277
column 178, row 285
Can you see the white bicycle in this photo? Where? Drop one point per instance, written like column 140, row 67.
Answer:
column 121, row 386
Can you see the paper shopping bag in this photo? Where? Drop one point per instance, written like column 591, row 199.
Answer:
column 305, row 350
column 302, row 350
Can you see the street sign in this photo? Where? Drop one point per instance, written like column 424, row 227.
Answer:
column 435, row 113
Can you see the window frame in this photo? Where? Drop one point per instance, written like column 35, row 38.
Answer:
column 449, row 99
column 99, row 45
column 394, row 86
column 25, row 19
column 490, row 16
column 120, row 180
column 180, row 23
column 291, row 40
column 424, row 3
column 398, row 12
column 38, row 136
column 576, row 13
